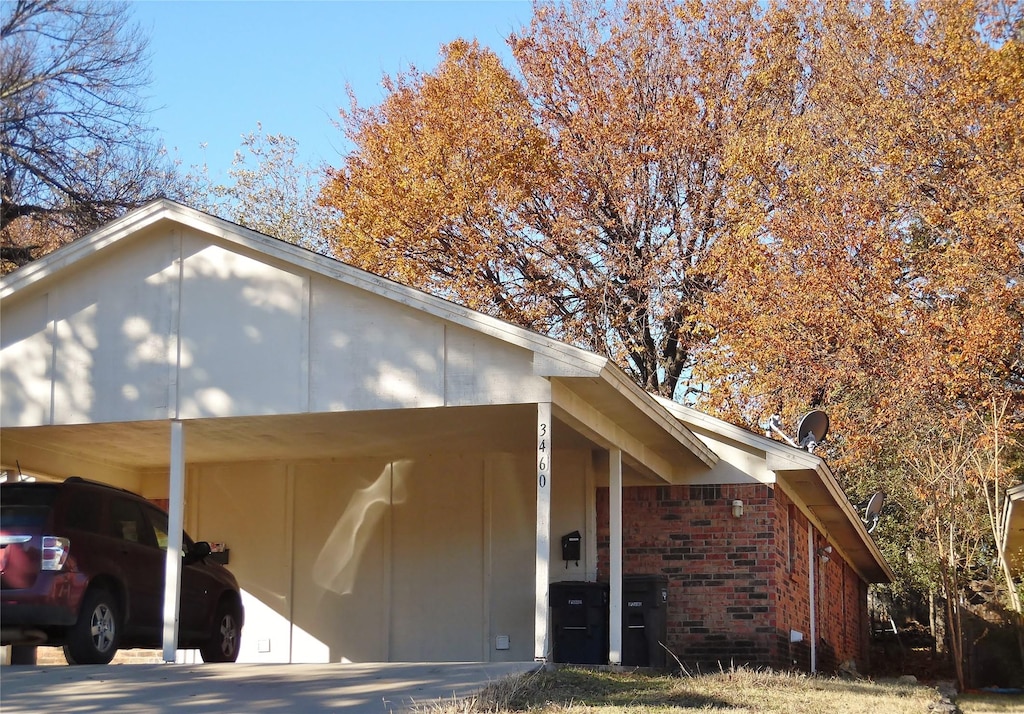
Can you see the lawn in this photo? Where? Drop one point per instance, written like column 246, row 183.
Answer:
column 990, row 703
column 579, row 691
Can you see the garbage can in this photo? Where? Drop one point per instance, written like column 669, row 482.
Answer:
column 644, row 604
column 579, row 622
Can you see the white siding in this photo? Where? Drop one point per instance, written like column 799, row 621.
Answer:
column 369, row 353
column 241, row 336
column 26, row 357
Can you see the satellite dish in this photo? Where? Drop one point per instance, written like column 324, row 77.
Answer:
column 812, row 430
column 873, row 510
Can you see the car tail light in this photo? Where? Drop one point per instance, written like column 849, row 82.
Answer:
column 55, row 552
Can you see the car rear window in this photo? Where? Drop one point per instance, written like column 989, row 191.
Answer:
column 26, row 504
column 83, row 511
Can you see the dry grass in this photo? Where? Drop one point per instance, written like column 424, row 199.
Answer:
column 580, row 691
column 990, row 703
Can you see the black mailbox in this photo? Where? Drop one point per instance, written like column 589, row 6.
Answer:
column 571, row 546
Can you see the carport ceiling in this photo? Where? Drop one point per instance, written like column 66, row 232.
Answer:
column 391, row 434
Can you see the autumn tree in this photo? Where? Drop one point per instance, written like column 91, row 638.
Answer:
column 75, row 150
column 268, row 189
column 887, row 277
column 582, row 199
column 886, row 283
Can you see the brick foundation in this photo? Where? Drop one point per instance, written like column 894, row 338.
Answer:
column 738, row 586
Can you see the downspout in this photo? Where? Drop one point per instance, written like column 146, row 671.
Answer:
column 813, row 599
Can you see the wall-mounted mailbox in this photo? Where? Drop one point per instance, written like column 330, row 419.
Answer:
column 219, row 553
column 571, row 546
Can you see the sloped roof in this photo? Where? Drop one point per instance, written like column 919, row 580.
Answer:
column 593, row 375
column 810, row 481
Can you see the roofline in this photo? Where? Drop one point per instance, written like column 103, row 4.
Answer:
column 654, row 406
column 561, row 359
column 1014, row 500
column 799, row 460
column 740, row 434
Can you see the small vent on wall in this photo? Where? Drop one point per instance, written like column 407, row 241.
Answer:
column 705, row 493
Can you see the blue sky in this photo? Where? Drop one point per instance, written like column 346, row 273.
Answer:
column 218, row 68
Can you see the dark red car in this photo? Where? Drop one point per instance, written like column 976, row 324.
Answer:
column 83, row 565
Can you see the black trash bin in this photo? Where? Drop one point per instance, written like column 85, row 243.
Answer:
column 579, row 622
column 644, row 604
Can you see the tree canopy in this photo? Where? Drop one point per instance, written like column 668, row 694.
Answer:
column 582, row 199
column 760, row 208
column 75, row 149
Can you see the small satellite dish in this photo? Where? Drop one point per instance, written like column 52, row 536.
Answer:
column 812, row 430
column 873, row 510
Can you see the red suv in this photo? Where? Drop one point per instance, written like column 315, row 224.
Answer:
column 82, row 565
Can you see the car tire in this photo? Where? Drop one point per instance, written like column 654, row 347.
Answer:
column 24, row 654
column 225, row 635
column 94, row 639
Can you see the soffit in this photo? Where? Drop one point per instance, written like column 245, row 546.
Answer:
column 385, row 434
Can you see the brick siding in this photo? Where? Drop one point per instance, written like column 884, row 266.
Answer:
column 737, row 586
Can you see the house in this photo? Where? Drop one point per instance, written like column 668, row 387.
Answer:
column 1012, row 544
column 390, row 473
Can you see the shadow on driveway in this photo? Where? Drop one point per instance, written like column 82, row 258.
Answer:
column 352, row 688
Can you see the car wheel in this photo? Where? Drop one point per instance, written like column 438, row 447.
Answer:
column 225, row 636
column 95, row 637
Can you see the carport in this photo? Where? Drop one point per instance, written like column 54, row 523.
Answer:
column 389, row 470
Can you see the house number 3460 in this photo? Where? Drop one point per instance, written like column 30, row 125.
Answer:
column 542, row 456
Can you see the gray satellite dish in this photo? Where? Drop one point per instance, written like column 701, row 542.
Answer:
column 873, row 510
column 812, row 430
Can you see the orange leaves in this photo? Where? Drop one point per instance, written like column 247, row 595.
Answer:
column 439, row 177
column 822, row 200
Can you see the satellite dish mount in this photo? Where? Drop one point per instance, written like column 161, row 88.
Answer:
column 812, row 430
column 874, row 510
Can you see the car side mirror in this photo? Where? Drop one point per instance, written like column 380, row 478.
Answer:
column 198, row 551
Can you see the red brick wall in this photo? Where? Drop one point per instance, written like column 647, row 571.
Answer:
column 721, row 569
column 794, row 611
column 738, row 586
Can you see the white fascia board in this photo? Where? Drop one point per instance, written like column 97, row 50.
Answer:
column 551, row 357
column 691, row 416
column 1014, row 504
column 83, row 247
column 653, row 407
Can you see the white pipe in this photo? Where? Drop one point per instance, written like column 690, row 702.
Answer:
column 175, row 525
column 810, row 587
column 615, row 556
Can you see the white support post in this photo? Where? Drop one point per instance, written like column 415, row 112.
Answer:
column 541, row 615
column 615, row 556
column 175, row 525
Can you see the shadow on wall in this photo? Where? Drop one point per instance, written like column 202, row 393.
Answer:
column 99, row 347
column 337, row 565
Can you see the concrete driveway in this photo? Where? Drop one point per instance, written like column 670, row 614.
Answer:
column 351, row 688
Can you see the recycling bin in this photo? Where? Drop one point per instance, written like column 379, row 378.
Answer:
column 644, row 620
column 579, row 622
